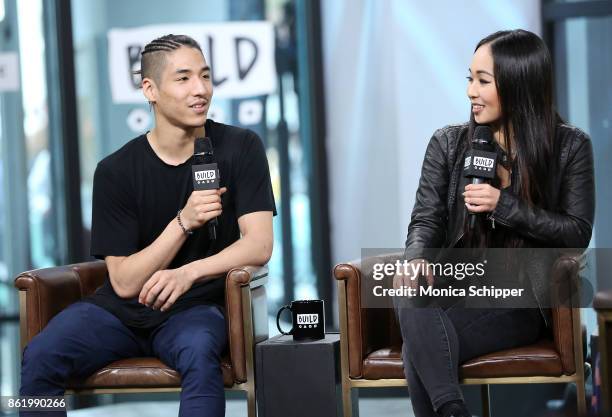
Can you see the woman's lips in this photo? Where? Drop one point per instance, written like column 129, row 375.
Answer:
column 477, row 108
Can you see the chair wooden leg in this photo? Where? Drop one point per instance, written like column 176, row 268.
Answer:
column 581, row 399
column 350, row 400
column 485, row 398
column 251, row 401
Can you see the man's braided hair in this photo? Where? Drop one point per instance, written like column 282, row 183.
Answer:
column 153, row 57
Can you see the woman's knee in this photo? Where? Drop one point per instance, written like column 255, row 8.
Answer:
column 416, row 317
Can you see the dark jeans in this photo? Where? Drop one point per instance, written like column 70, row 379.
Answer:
column 438, row 339
column 84, row 338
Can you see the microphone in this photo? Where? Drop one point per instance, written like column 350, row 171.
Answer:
column 480, row 161
column 206, row 175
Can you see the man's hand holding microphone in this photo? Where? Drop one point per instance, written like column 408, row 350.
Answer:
column 202, row 206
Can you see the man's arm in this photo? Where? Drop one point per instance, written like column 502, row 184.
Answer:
column 253, row 248
column 128, row 274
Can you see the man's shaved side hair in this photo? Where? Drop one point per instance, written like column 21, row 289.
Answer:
column 153, row 57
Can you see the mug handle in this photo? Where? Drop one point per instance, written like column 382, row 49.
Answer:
column 287, row 307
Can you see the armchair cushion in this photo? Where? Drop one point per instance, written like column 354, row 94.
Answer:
column 140, row 373
column 538, row 359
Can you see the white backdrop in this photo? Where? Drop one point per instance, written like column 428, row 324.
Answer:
column 395, row 72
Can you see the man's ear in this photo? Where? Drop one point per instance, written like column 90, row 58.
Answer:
column 149, row 89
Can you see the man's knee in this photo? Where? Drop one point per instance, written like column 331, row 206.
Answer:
column 203, row 350
column 40, row 352
column 47, row 346
column 41, row 365
column 55, row 351
column 200, row 350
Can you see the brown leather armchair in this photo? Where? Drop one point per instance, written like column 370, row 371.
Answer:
column 45, row 292
column 370, row 345
column 603, row 306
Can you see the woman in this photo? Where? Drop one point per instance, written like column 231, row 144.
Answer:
column 543, row 196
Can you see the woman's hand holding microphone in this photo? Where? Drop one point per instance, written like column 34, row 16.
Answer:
column 481, row 198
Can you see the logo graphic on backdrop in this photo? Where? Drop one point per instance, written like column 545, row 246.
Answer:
column 240, row 54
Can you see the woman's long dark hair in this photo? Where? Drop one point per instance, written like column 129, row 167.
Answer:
column 524, row 79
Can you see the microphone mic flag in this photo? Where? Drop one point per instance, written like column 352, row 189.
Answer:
column 480, row 161
column 205, row 175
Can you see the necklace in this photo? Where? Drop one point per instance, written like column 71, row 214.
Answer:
column 503, row 158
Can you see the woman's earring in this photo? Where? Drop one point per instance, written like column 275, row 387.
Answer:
column 150, row 105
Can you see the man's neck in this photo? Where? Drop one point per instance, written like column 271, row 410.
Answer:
column 172, row 144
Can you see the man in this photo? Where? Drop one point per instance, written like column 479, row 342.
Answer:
column 161, row 297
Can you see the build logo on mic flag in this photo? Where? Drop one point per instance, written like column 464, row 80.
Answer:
column 483, row 163
column 479, row 164
column 205, row 177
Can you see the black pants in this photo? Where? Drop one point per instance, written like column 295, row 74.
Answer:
column 438, row 339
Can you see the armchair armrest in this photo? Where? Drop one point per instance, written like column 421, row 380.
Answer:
column 603, row 300
column 45, row 292
column 566, row 327
column 364, row 329
column 247, row 315
column 349, row 303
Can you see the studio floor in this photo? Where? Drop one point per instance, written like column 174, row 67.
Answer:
column 368, row 407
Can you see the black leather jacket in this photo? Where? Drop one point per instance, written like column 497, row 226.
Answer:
column 439, row 211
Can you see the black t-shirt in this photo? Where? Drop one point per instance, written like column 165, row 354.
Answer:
column 136, row 195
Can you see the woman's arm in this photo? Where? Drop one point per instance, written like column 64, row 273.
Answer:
column 427, row 227
column 571, row 224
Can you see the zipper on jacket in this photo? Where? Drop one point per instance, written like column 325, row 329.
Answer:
column 457, row 239
column 494, row 220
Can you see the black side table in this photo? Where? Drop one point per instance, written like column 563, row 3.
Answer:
column 298, row 379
